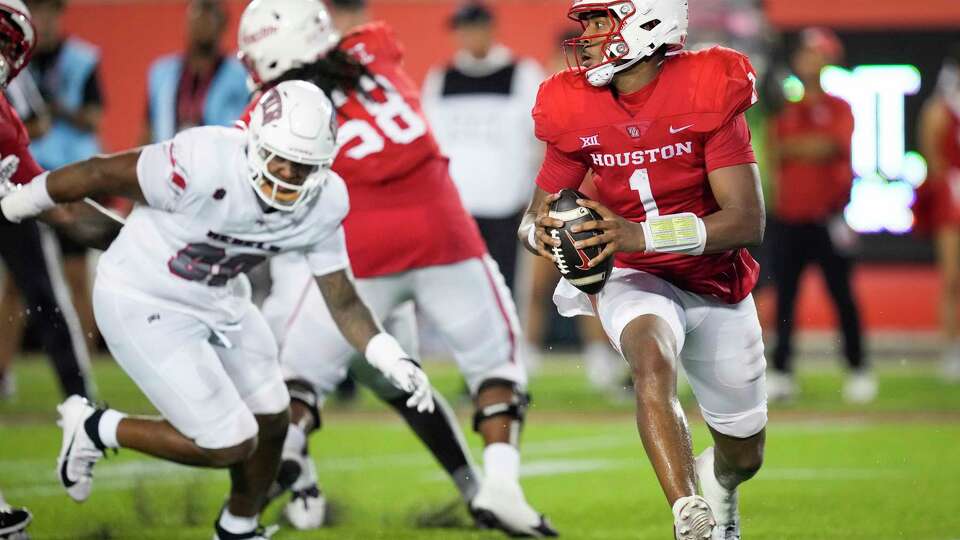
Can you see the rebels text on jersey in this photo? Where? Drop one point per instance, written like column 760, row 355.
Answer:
column 15, row 141
column 203, row 226
column 405, row 209
column 651, row 151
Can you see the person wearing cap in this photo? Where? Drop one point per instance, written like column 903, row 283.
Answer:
column 810, row 152
column 479, row 105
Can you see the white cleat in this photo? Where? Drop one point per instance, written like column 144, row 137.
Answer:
column 722, row 501
column 78, row 453
column 781, row 386
column 260, row 533
column 307, row 508
column 500, row 504
column 860, row 387
column 8, row 386
column 950, row 368
column 692, row 519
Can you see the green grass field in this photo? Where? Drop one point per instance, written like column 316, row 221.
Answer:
column 890, row 470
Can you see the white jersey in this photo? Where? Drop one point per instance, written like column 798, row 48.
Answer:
column 203, row 226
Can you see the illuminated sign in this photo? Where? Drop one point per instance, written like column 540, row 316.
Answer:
column 886, row 174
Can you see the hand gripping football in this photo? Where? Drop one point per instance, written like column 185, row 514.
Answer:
column 572, row 262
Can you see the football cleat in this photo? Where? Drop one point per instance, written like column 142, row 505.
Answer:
column 78, row 453
column 13, row 523
column 722, row 501
column 692, row 519
column 781, row 386
column 860, row 387
column 500, row 505
column 260, row 533
column 307, row 508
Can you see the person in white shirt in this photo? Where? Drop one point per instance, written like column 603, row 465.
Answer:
column 479, row 106
column 173, row 304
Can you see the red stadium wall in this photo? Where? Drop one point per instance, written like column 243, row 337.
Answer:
column 132, row 34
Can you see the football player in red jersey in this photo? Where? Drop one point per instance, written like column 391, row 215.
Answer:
column 409, row 238
column 34, row 268
column 678, row 189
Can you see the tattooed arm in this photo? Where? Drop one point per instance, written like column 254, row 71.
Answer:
column 353, row 317
column 361, row 329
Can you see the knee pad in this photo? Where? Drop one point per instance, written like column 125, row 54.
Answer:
column 739, row 425
column 302, row 391
column 235, row 429
column 515, row 407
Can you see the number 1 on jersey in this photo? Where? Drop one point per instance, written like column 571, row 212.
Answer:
column 640, row 182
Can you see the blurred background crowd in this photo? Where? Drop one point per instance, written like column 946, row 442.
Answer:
column 857, row 130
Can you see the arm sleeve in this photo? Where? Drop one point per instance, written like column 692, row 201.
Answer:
column 162, row 174
column 729, row 145
column 329, row 254
column 559, row 171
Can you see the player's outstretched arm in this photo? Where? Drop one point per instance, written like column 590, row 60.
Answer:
column 114, row 174
column 362, row 330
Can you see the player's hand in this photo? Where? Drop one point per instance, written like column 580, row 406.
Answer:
column 619, row 234
column 543, row 221
column 406, row 375
column 8, row 167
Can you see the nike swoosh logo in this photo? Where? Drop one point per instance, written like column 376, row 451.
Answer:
column 67, row 482
column 675, row 131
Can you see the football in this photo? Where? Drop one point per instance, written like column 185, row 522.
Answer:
column 572, row 262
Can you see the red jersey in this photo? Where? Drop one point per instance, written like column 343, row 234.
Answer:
column 14, row 140
column 812, row 191
column 937, row 201
column 651, row 151
column 405, row 211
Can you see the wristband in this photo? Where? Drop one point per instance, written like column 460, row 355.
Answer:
column 532, row 237
column 675, row 233
column 383, row 350
column 28, row 201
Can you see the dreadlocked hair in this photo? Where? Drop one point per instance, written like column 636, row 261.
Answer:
column 336, row 70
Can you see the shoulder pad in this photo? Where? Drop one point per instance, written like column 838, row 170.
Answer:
column 723, row 80
column 377, row 39
column 562, row 98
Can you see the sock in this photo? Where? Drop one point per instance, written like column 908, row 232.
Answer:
column 501, row 460
column 296, row 441
column 107, row 429
column 101, row 427
column 236, row 524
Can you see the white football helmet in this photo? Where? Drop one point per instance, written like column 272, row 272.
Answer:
column 277, row 35
column 638, row 29
column 292, row 122
column 17, row 39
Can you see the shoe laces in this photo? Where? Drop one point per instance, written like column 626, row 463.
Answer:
column 306, row 494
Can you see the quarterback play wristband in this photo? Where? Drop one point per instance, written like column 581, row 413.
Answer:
column 675, row 233
column 28, row 201
column 532, row 237
column 383, row 350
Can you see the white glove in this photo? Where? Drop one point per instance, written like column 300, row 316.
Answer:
column 384, row 353
column 844, row 239
column 8, row 167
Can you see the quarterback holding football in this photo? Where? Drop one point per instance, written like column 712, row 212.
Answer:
column 679, row 200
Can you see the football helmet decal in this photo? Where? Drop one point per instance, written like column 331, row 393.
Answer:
column 638, row 28
column 293, row 124
column 277, row 35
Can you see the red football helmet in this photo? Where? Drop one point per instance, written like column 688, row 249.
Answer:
column 17, row 39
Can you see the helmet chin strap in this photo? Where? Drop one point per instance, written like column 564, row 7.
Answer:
column 602, row 75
